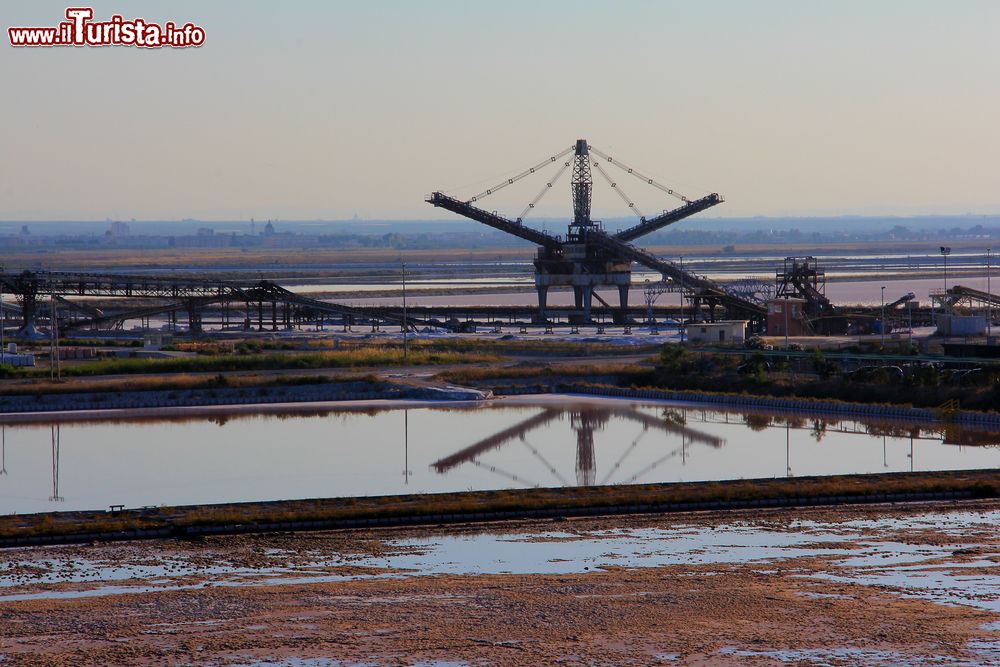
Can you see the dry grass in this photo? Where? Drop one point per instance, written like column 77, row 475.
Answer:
column 181, row 381
column 215, row 363
column 535, row 371
column 980, row 484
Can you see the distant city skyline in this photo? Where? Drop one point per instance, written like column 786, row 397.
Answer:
column 324, row 110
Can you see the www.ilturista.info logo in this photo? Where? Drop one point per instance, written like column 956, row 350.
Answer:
column 80, row 30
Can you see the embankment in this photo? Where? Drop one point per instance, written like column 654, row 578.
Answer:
column 480, row 506
column 969, row 418
column 228, row 396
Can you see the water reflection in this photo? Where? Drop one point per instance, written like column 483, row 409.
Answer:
column 56, row 436
column 584, row 421
column 389, row 450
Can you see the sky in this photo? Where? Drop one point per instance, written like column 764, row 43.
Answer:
column 326, row 110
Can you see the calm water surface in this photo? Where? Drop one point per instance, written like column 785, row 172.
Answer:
column 434, row 449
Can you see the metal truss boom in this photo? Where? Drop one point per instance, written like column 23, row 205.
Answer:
column 494, row 220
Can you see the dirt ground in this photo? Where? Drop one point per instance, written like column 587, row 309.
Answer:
column 352, row 608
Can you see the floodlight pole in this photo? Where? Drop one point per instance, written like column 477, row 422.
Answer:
column 786, row 323
column 882, row 328
column 989, row 303
column 945, row 251
column 683, row 327
column 405, row 346
column 2, row 349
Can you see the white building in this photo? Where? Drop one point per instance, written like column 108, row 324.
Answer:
column 724, row 332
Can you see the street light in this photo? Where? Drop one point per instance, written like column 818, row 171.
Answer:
column 683, row 327
column 989, row 303
column 786, row 323
column 945, row 251
column 882, row 327
column 1, row 322
column 909, row 323
column 403, row 265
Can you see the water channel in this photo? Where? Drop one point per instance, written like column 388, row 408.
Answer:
column 391, row 450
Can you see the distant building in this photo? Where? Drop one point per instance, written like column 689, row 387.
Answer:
column 269, row 229
column 119, row 229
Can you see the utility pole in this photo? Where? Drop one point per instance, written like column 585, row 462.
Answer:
column 55, row 372
column 945, row 251
column 2, row 348
column 405, row 346
column 786, row 323
column 882, row 327
column 989, row 304
column 909, row 312
column 683, row 326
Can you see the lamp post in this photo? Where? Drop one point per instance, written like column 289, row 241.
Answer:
column 909, row 323
column 786, row 322
column 683, row 327
column 405, row 347
column 989, row 304
column 945, row 251
column 1, row 322
column 882, row 328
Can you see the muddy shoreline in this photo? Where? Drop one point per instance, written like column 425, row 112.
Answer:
column 817, row 586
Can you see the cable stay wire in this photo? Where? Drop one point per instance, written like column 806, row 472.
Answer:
column 621, row 459
column 544, row 191
column 503, row 473
column 653, row 466
column 538, row 455
column 621, row 193
column 624, row 167
column 527, row 172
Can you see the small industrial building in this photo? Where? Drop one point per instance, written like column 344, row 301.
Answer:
column 960, row 325
column 786, row 314
column 724, row 332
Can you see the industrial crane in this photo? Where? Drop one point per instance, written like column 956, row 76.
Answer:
column 589, row 256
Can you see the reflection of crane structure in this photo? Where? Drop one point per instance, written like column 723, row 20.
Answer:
column 590, row 257
column 585, row 421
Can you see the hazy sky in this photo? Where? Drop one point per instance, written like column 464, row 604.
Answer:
column 327, row 109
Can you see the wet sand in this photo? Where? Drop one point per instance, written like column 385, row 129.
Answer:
column 846, row 586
